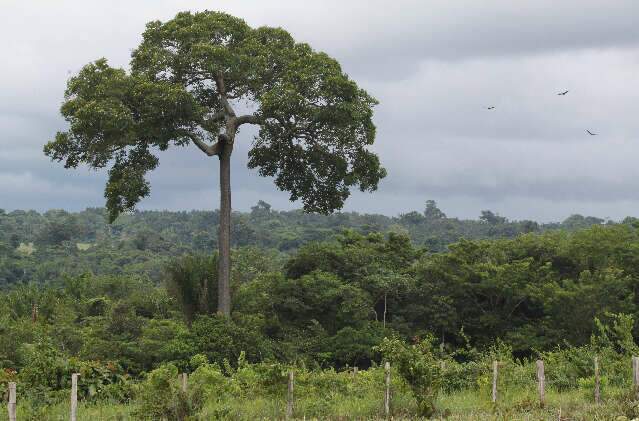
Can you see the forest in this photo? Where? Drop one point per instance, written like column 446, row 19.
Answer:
column 42, row 247
column 137, row 299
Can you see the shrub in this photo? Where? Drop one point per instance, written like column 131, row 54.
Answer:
column 418, row 365
column 160, row 396
column 99, row 381
column 198, row 360
column 220, row 338
column 263, row 378
column 208, row 385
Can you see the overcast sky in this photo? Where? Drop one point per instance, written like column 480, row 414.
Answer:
column 434, row 66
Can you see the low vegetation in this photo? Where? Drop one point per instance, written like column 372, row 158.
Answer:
column 425, row 383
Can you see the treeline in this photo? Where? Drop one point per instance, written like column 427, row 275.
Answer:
column 330, row 303
column 44, row 247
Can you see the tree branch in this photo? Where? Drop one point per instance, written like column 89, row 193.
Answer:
column 209, row 150
column 215, row 149
column 219, row 82
column 250, row 119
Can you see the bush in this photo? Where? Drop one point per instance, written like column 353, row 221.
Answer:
column 160, row 396
column 44, row 367
column 198, row 360
column 420, row 368
column 261, row 379
column 100, row 381
column 220, row 338
column 208, row 385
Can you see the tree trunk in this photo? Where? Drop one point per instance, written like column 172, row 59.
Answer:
column 224, row 234
column 385, row 310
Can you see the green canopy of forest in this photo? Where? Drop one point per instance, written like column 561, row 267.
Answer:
column 322, row 289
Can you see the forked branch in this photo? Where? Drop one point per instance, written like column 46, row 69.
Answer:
column 209, row 150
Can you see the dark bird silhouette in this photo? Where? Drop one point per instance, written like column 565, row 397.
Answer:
column 563, row 93
column 490, row 108
column 591, row 133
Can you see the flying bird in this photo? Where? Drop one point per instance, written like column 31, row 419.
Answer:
column 591, row 133
column 490, row 108
column 563, row 93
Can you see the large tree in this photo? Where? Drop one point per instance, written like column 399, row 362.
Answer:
column 188, row 80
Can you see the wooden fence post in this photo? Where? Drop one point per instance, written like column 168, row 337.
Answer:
column 184, row 378
column 597, row 381
column 541, row 379
column 635, row 375
column 387, row 395
column 495, row 368
column 289, row 398
column 355, row 371
column 74, row 396
column 11, row 406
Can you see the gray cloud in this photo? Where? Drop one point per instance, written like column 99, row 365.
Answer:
column 433, row 65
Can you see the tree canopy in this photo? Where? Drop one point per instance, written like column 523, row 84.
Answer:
column 188, row 77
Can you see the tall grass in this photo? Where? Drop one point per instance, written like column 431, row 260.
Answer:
column 330, row 395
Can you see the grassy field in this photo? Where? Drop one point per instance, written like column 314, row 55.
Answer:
column 466, row 405
column 524, row 405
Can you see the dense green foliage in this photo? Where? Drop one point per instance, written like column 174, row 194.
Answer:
column 115, row 304
column 44, row 247
column 187, row 76
column 326, row 303
column 424, row 381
